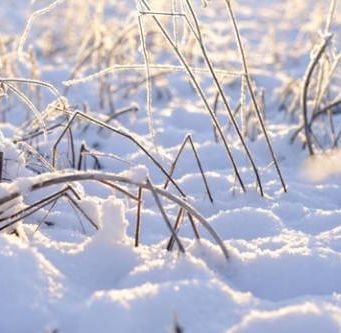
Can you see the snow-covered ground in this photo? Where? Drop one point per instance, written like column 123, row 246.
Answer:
column 284, row 266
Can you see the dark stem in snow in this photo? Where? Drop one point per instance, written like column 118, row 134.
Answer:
column 117, row 131
column 252, row 94
column 197, row 87
column 305, row 90
column 55, row 179
column 165, row 217
column 138, row 217
column 188, row 139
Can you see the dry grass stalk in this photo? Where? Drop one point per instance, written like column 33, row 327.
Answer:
column 121, row 132
column 55, row 179
column 188, row 140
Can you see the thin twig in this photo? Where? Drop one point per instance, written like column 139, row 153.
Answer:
column 40, row 182
column 188, row 139
column 305, row 90
column 117, row 131
column 252, row 94
column 199, row 90
column 195, row 230
column 176, row 227
column 138, row 217
column 44, row 218
column 165, row 217
column 1, row 165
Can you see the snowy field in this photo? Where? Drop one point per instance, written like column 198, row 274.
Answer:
column 101, row 233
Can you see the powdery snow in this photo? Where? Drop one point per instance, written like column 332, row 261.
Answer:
column 283, row 274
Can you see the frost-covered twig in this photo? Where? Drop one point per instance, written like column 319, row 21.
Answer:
column 47, row 85
column 223, row 96
column 121, row 132
column 305, row 90
column 251, row 91
column 31, row 209
column 139, row 67
column 46, row 180
column 30, row 106
column 148, row 81
column 199, row 91
column 30, row 22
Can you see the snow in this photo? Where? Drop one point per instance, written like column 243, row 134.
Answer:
column 59, row 274
column 317, row 168
column 307, row 317
column 113, row 221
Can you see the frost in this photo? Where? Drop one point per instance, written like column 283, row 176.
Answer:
column 58, row 273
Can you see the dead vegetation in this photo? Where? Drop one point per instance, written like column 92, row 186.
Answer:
column 103, row 58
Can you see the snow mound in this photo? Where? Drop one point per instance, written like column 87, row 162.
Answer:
column 307, row 317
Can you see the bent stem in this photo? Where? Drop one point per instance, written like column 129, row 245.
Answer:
column 198, row 89
column 252, row 94
column 188, row 139
column 40, row 182
column 165, row 217
column 305, row 90
column 121, row 132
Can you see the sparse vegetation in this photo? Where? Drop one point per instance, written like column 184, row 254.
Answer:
column 117, row 120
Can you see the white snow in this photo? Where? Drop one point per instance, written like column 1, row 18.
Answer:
column 284, row 267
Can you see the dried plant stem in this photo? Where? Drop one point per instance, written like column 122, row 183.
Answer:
column 42, row 182
column 337, row 138
column 120, row 189
column 75, row 203
column 30, row 22
column 331, row 15
column 223, row 96
column 36, row 133
column 117, row 131
column 148, row 80
column 83, row 152
column 195, row 230
column 34, row 205
column 47, row 85
column 132, row 86
column 45, row 217
column 165, row 217
column 251, row 91
column 138, row 217
column 199, row 90
column 81, row 156
column 29, row 104
column 188, row 139
column 1, row 165
column 72, row 146
column 41, row 204
column 139, row 67
column 322, row 89
column 215, row 110
column 95, row 153
column 305, row 90
column 37, row 155
column 77, row 215
column 328, row 109
column 121, row 112
column 176, row 227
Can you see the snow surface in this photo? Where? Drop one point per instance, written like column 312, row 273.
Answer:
column 283, row 274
